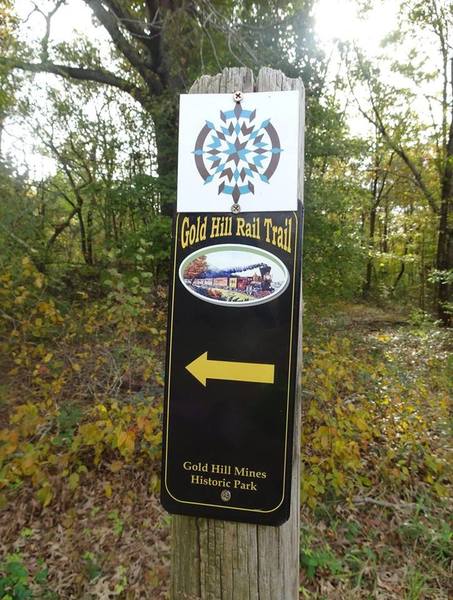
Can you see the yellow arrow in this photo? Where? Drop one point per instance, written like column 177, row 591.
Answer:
column 202, row 369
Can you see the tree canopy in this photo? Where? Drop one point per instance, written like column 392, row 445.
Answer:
column 151, row 51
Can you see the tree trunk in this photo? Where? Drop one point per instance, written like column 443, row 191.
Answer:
column 422, row 272
column 165, row 118
column 444, row 259
column 385, row 232
column 220, row 560
column 2, row 127
column 83, row 242
column 401, row 271
column 377, row 194
column 369, row 265
column 89, row 234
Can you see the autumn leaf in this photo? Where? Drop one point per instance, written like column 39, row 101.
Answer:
column 126, row 441
column 45, row 495
column 73, row 481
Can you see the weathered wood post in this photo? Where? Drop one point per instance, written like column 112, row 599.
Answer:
column 220, row 560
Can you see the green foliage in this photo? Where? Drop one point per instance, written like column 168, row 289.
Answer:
column 435, row 537
column 19, row 233
column 363, row 552
column 314, row 561
column 148, row 250
column 17, row 583
column 14, row 581
column 366, row 421
column 333, row 253
column 420, row 189
column 93, row 569
column 49, row 440
column 8, row 43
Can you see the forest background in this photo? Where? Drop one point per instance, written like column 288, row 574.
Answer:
column 88, row 146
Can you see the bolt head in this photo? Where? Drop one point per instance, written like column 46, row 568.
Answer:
column 225, row 495
column 235, row 209
column 238, row 96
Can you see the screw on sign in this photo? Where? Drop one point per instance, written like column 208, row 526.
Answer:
column 225, row 495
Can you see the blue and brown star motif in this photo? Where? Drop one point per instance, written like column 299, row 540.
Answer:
column 237, row 153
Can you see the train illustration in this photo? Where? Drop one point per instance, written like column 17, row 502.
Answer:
column 215, row 280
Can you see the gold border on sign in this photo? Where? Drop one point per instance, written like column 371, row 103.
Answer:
column 256, row 510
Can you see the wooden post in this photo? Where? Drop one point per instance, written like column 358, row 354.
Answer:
column 220, row 560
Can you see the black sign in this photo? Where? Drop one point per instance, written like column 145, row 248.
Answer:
column 231, row 366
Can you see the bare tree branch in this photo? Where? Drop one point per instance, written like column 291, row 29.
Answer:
column 110, row 23
column 401, row 152
column 80, row 74
column 60, row 227
column 135, row 27
column 48, row 19
column 376, row 120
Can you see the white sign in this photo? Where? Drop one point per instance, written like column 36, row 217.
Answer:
column 238, row 153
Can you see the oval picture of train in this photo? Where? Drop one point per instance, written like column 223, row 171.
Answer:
column 234, row 275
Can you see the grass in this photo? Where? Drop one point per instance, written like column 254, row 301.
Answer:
column 400, row 553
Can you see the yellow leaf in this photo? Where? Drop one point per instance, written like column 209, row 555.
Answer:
column 45, row 495
column 74, row 480
column 361, row 423
column 144, row 424
column 48, row 357
column 154, row 484
column 91, row 433
column 116, row 466
column 27, row 464
column 126, row 441
column 9, row 441
column 441, row 490
column 76, row 367
column 108, row 489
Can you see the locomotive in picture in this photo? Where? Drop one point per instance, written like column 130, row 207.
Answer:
column 242, row 286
